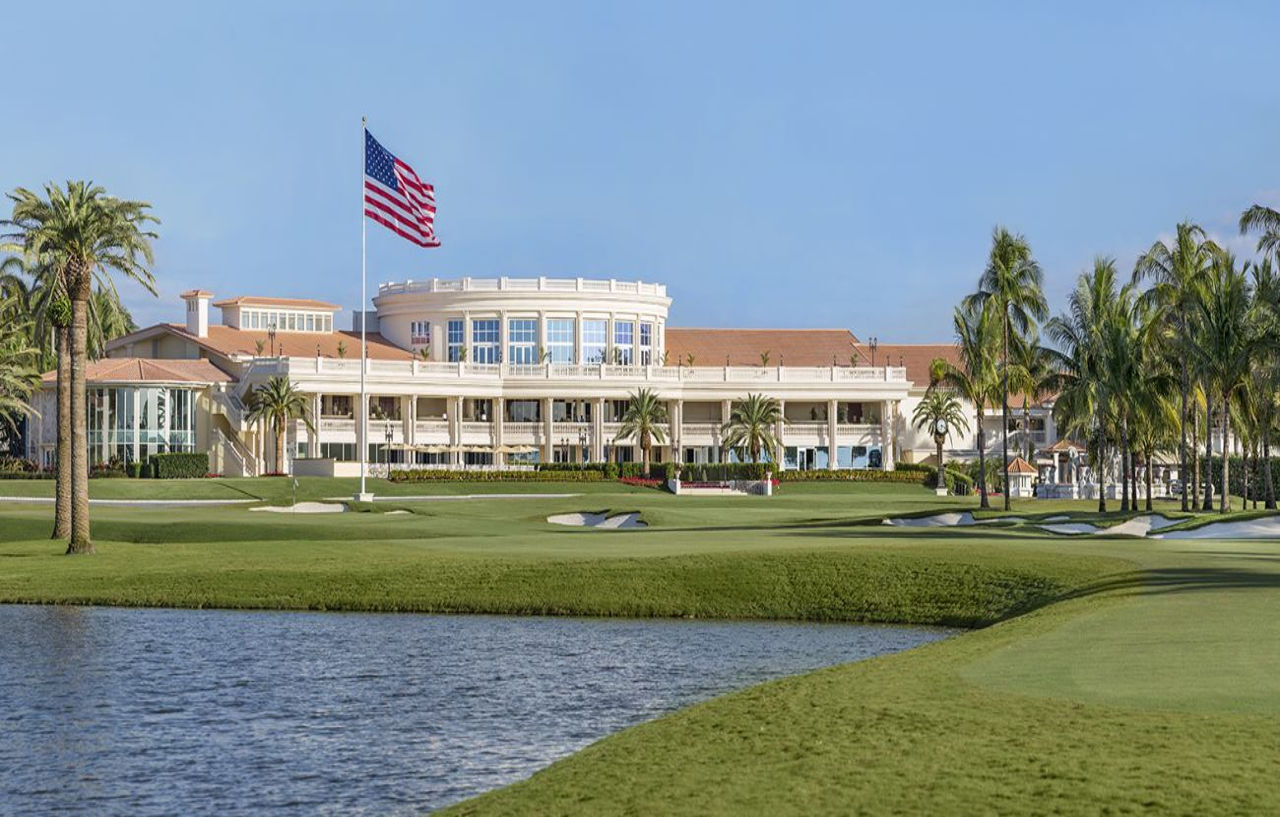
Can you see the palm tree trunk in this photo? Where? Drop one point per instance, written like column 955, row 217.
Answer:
column 1192, row 480
column 1182, row 426
column 1270, row 503
column 80, row 538
column 1102, row 472
column 62, row 491
column 1208, row 453
column 280, row 449
column 1124, row 465
column 983, row 501
column 1146, row 456
column 1224, row 503
column 1026, row 427
column 1004, row 409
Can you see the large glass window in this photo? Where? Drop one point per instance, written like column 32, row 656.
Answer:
column 646, row 344
column 456, row 338
column 595, row 340
column 561, row 343
column 522, row 341
column 484, row 341
column 624, row 342
column 523, row 411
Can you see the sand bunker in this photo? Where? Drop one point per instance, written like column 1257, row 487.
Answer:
column 938, row 520
column 1265, row 528
column 597, row 520
column 303, row 507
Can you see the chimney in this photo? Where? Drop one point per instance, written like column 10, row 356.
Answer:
column 197, row 311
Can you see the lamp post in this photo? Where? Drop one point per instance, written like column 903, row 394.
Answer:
column 874, row 344
column 582, row 446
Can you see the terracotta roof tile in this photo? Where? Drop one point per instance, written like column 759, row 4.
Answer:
column 1021, row 466
column 916, row 357
column 145, row 370
column 228, row 340
column 743, row 347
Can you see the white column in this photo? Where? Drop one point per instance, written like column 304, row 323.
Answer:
column 455, row 428
column 577, row 338
column 677, row 431
column 831, row 435
column 886, row 440
column 499, row 413
column 597, row 431
column 313, row 438
column 548, row 429
column 777, row 433
column 362, row 428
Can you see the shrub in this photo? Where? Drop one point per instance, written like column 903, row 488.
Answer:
column 445, row 475
column 723, row 471
column 20, row 468
column 180, row 465
column 641, row 482
column 854, row 475
column 139, row 470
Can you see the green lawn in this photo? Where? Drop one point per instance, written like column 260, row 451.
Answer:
column 1118, row 676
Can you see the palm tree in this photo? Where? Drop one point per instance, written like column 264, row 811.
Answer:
column 1083, row 408
column 44, row 303
column 1177, row 269
column 1265, row 220
column 975, row 379
column 1263, row 385
column 643, row 420
column 109, row 318
column 1013, row 284
column 752, row 424
column 88, row 235
column 1227, row 343
column 18, row 373
column 939, row 413
column 1031, row 375
column 278, row 402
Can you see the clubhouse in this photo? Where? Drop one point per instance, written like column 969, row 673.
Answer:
column 503, row 372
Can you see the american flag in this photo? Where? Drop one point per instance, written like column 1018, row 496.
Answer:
column 396, row 198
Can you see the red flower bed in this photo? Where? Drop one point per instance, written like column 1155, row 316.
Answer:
column 641, row 482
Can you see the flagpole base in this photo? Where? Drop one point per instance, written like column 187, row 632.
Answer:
column 366, row 496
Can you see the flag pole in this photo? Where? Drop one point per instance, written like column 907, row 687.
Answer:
column 362, row 438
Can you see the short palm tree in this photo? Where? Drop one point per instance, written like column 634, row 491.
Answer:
column 975, row 378
column 1013, row 285
column 88, row 235
column 940, row 414
column 1177, row 269
column 643, row 420
column 278, row 402
column 752, row 425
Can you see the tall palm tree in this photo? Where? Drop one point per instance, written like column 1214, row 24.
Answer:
column 752, row 424
column 1228, row 341
column 940, row 413
column 1081, row 358
column 1263, row 385
column 89, row 235
column 975, row 378
column 1013, row 284
column 109, row 318
column 1265, row 220
column 1176, row 270
column 278, row 402
column 643, row 420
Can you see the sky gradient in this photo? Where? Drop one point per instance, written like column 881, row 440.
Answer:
column 824, row 166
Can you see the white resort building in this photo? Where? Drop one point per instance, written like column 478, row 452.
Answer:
column 501, row 372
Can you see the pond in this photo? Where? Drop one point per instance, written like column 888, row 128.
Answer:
column 135, row 711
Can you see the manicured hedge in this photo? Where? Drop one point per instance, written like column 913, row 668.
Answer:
column 180, row 465
column 715, row 471
column 905, row 472
column 445, row 475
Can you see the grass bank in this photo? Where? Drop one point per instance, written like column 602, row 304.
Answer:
column 802, row 555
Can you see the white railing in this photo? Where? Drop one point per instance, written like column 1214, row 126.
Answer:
column 744, row 375
column 338, row 424
column 523, row 285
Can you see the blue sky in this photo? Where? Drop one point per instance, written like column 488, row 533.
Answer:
column 786, row 165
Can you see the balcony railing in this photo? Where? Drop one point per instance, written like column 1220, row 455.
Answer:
column 495, row 372
column 524, row 285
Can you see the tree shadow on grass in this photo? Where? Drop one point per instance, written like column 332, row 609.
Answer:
column 1165, row 581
